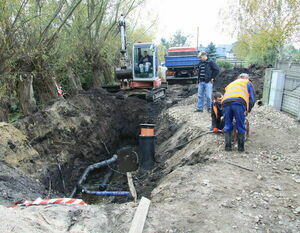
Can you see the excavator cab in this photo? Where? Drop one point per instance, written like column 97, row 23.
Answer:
column 141, row 77
column 145, row 62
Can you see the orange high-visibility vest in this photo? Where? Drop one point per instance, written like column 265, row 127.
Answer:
column 238, row 88
column 215, row 110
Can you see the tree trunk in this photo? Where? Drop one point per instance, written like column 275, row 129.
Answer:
column 4, row 110
column 25, row 94
column 45, row 88
column 74, row 80
column 108, row 76
column 98, row 77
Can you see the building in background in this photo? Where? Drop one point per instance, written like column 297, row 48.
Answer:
column 224, row 51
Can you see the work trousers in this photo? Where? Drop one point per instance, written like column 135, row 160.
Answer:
column 145, row 67
column 234, row 111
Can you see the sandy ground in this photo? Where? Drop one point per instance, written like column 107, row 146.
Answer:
column 210, row 190
column 202, row 187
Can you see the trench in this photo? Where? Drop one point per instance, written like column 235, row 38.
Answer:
column 91, row 127
column 64, row 176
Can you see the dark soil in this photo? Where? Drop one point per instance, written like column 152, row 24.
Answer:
column 256, row 75
column 72, row 134
column 15, row 186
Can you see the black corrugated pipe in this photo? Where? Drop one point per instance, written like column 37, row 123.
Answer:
column 89, row 169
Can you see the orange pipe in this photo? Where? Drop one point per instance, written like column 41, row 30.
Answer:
column 147, row 132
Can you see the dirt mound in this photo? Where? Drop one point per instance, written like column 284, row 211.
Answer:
column 256, row 74
column 14, row 146
column 16, row 187
column 14, row 150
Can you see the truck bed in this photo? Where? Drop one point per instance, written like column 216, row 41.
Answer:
column 181, row 61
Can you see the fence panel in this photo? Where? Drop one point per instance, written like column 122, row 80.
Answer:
column 291, row 92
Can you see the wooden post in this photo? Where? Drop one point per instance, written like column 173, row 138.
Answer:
column 131, row 186
column 140, row 216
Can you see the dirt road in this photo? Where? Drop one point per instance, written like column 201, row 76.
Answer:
column 208, row 190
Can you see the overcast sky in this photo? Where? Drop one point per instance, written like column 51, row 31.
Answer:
column 187, row 15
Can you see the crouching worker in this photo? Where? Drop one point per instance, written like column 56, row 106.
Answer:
column 237, row 102
column 217, row 114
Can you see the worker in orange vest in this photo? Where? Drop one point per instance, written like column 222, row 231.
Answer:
column 238, row 100
column 217, row 113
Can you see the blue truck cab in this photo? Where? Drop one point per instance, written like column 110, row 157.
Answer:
column 182, row 63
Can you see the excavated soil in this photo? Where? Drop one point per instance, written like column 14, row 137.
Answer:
column 56, row 144
column 256, row 74
column 195, row 186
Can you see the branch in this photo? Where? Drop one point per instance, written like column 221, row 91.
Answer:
column 93, row 21
column 63, row 23
column 130, row 8
column 114, row 22
column 61, row 4
column 154, row 22
column 101, row 19
column 24, row 3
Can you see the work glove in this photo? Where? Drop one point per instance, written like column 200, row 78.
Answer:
column 215, row 130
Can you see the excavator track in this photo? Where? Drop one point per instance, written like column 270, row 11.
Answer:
column 156, row 94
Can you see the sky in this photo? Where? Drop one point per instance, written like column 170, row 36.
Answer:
column 187, row 15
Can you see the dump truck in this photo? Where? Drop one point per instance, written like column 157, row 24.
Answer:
column 182, row 64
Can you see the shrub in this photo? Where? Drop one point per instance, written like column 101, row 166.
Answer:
column 223, row 64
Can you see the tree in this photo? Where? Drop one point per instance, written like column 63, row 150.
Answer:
column 263, row 27
column 163, row 49
column 211, row 51
column 95, row 49
column 29, row 29
column 162, row 52
column 289, row 51
column 165, row 43
column 179, row 39
column 261, row 48
column 76, row 41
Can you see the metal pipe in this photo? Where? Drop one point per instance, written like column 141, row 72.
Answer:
column 89, row 169
column 105, row 193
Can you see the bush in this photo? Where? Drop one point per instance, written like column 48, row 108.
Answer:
column 226, row 65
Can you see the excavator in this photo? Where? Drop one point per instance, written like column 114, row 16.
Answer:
column 136, row 77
